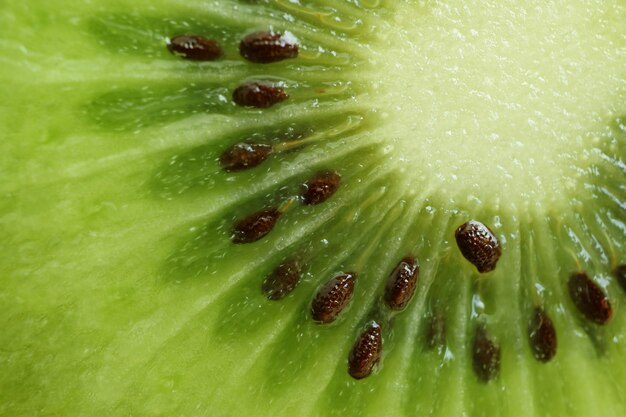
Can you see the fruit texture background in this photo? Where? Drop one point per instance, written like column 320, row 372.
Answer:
column 124, row 291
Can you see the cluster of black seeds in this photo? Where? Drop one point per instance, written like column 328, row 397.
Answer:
column 480, row 246
column 258, row 224
column 477, row 243
column 400, row 288
column 258, row 47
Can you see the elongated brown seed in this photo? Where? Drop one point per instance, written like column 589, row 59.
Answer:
column 259, row 94
column 333, row 297
column 589, row 298
column 485, row 355
column 366, row 351
column 479, row 245
column 268, row 47
column 436, row 330
column 320, row 187
column 282, row 280
column 401, row 283
column 255, row 226
column 244, row 155
column 195, row 48
column 542, row 335
column 620, row 274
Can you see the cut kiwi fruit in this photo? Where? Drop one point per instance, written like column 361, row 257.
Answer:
column 350, row 208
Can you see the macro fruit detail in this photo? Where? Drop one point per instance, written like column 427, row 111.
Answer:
column 313, row 207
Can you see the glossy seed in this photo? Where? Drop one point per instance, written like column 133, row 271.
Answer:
column 255, row 226
column 485, row 356
column 268, row 47
column 401, row 283
column 620, row 275
column 282, row 280
column 589, row 298
column 195, row 48
column 366, row 351
column 244, row 155
column 479, row 245
column 333, row 297
column 320, row 187
column 259, row 94
column 542, row 335
column 436, row 331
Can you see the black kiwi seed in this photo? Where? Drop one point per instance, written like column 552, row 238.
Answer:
column 244, row 155
column 267, row 47
column 542, row 335
column 366, row 351
column 401, row 283
column 333, row 297
column 320, row 187
column 255, row 226
column 195, row 48
column 282, row 280
column 620, row 274
column 589, row 298
column 485, row 355
column 479, row 245
column 259, row 94
column 436, row 330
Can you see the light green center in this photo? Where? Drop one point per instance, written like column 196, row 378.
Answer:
column 499, row 102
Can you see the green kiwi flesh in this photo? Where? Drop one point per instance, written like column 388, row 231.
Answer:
column 126, row 291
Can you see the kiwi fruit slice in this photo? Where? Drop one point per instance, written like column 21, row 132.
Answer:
column 273, row 207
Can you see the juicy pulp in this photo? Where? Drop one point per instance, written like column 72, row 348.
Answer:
column 122, row 295
column 499, row 102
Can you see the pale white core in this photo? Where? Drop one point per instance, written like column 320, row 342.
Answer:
column 499, row 102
